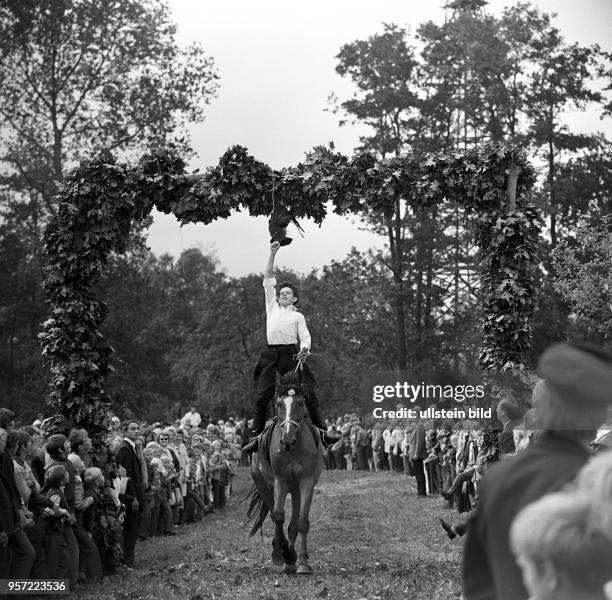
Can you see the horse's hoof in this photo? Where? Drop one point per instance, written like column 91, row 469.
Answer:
column 290, row 569
column 304, row 569
column 277, row 558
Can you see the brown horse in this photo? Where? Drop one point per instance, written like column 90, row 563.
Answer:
column 291, row 463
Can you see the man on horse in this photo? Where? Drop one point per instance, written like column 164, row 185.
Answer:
column 285, row 328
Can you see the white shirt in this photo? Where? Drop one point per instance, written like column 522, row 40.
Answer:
column 284, row 325
column 192, row 418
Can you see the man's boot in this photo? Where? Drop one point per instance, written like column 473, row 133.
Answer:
column 327, row 438
column 252, row 444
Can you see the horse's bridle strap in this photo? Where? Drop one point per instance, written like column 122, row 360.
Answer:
column 298, row 425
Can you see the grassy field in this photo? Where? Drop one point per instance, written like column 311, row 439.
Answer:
column 371, row 538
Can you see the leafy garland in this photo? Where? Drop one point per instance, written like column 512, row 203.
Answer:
column 100, row 200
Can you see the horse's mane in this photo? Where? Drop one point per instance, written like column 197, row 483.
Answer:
column 291, row 381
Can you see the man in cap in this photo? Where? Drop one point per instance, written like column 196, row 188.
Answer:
column 571, row 403
column 285, row 328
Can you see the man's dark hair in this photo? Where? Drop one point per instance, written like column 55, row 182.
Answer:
column 76, row 439
column 55, row 446
column 7, row 416
column 127, row 423
column 291, row 286
column 12, row 440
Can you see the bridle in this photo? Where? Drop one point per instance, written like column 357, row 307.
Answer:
column 298, row 425
column 291, row 421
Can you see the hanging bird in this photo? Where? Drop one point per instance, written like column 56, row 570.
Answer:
column 277, row 225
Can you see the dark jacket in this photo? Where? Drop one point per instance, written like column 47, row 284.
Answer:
column 489, row 569
column 128, row 459
column 9, row 517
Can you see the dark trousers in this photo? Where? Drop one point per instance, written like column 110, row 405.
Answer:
column 146, row 514
column 36, row 535
column 280, row 359
column 338, row 459
column 89, row 557
column 362, row 458
column 23, row 555
column 217, row 490
column 166, row 517
column 130, row 532
column 73, row 555
column 57, row 555
column 462, row 477
column 419, row 473
column 154, row 520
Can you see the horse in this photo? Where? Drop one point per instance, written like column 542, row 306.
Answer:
column 291, row 463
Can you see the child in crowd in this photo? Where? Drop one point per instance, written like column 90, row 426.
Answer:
column 57, row 521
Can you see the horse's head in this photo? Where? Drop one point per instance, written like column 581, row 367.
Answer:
column 290, row 409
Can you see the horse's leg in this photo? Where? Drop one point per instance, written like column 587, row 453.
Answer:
column 293, row 531
column 306, row 492
column 279, row 541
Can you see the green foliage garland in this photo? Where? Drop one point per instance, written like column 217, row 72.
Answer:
column 100, row 199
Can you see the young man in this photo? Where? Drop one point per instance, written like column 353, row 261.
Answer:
column 285, row 329
column 127, row 457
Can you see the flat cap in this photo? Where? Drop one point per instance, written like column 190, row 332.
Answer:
column 577, row 374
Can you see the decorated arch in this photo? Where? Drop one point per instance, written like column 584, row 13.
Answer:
column 99, row 201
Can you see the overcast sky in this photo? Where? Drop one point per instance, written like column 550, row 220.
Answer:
column 276, row 64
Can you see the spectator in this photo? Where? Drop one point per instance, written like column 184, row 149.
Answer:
column 192, row 418
column 417, row 452
column 37, row 424
column 563, row 545
column 510, row 416
column 128, row 458
column 570, row 405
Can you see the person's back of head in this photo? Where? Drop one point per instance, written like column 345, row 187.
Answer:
column 7, row 418
column 510, row 409
column 563, row 545
column 595, row 479
column 55, row 476
column 574, row 395
column 55, row 446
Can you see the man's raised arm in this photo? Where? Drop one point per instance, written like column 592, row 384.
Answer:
column 269, row 282
column 269, row 272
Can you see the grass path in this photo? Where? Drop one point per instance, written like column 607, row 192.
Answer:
column 371, row 538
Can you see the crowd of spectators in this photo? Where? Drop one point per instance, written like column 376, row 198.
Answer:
column 540, row 507
column 72, row 511
column 444, row 457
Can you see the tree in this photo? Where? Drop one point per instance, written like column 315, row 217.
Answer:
column 385, row 70
column 77, row 75
column 584, row 280
column 23, row 382
column 477, row 78
column 561, row 79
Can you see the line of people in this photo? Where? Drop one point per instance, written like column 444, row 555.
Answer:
column 69, row 511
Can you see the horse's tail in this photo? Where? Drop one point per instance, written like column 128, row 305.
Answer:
column 257, row 506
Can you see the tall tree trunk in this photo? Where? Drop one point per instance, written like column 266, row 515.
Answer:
column 551, row 190
column 429, row 275
column 394, row 231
